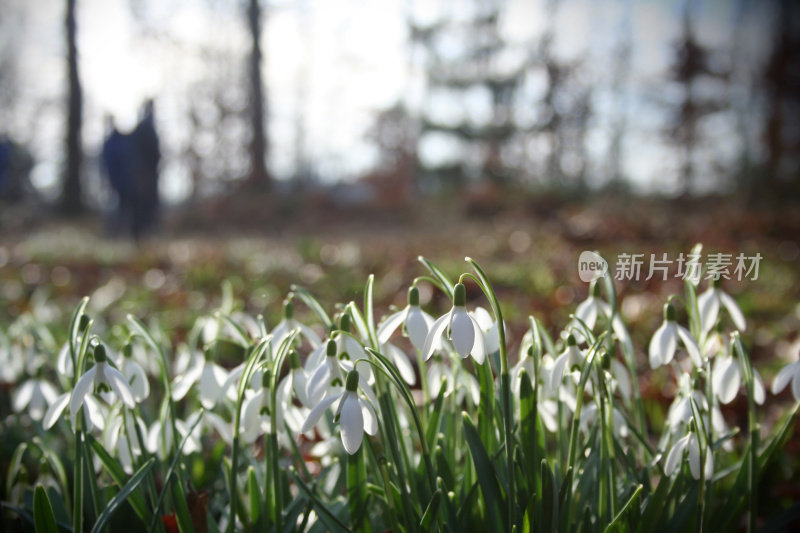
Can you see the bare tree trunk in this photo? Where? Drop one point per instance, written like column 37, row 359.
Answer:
column 258, row 144
column 71, row 201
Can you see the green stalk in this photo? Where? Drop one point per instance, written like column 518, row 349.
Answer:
column 505, row 390
column 753, row 430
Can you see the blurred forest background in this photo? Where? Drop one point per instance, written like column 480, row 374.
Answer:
column 387, row 104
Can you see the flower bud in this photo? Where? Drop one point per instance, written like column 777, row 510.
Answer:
column 330, row 349
column 352, row 381
column 288, row 309
column 413, row 296
column 294, row 360
column 669, row 312
column 100, row 354
column 459, row 295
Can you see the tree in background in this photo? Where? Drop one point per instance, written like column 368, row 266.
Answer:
column 692, row 66
column 782, row 88
column 259, row 177
column 71, row 201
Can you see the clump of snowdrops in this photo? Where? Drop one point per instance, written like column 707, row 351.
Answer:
column 411, row 422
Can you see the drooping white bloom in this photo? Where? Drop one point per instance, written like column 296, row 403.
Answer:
column 665, row 341
column 491, row 333
column 675, row 455
column 100, row 376
column 288, row 324
column 726, row 378
column 401, row 362
column 329, row 377
column 414, row 321
column 789, row 373
column 120, row 435
column 136, row 376
column 36, row 395
column 212, row 378
column 589, row 415
column 354, row 414
column 160, row 438
column 710, row 302
column 457, row 381
column 592, row 308
column 680, row 411
column 571, row 357
column 94, row 413
column 458, row 327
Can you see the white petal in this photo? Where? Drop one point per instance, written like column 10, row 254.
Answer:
column 483, row 318
column 587, row 311
column 470, row 383
column 418, row 323
column 315, row 358
column 402, row 363
column 620, row 373
column 662, row 345
column 785, row 375
column 351, row 422
column 38, row 403
column 733, row 310
column 462, row 331
column 491, row 339
column 759, row 395
column 726, row 380
column 299, row 383
column 318, row 384
column 390, row 324
column 434, row 338
column 557, row 374
column 80, row 391
column 691, row 345
column 95, row 414
column 23, row 396
column 694, row 456
column 479, row 343
column 675, row 455
column 211, row 380
column 316, row 413
column 309, row 334
column 796, row 386
column 64, row 362
column 120, row 386
column 54, row 411
column 370, row 420
column 708, row 305
column 184, row 382
column 220, row 425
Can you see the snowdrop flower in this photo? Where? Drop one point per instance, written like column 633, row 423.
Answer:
column 589, row 415
column 665, row 341
column 36, row 395
column 288, row 324
column 491, row 333
column 680, row 411
column 94, row 413
column 120, row 435
column 100, row 378
column 354, row 414
column 571, row 357
column 458, row 381
column 790, row 372
column 458, row 327
column 709, row 303
column 726, row 377
column 414, row 321
column 328, row 378
column 593, row 307
column 212, row 378
column 401, row 362
column 135, row 375
column 675, row 455
column 160, row 438
column 64, row 361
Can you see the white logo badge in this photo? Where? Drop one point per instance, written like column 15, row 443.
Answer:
column 591, row 266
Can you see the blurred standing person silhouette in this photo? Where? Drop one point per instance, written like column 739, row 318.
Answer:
column 118, row 166
column 148, row 157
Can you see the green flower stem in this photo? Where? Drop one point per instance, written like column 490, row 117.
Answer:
column 753, row 430
column 78, row 354
column 505, row 388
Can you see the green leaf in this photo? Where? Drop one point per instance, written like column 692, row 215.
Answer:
column 487, row 478
column 125, row 492
column 254, row 492
column 624, row 509
column 313, row 304
column 549, row 515
column 118, row 475
column 432, row 511
column 43, row 517
column 444, row 281
column 14, row 465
